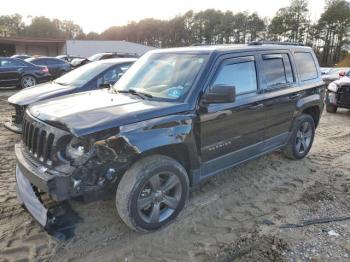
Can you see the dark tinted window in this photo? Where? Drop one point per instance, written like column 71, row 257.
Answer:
column 242, row 75
column 306, row 65
column 49, row 61
column 38, row 61
column 277, row 69
column 57, row 61
column 11, row 63
column 288, row 68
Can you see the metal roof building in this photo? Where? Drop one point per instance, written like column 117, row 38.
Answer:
column 53, row 47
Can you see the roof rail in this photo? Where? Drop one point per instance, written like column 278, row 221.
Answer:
column 275, row 43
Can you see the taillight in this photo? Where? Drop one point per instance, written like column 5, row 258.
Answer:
column 45, row 69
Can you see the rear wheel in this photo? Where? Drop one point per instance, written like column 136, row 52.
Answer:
column 331, row 108
column 152, row 193
column 28, row 81
column 301, row 138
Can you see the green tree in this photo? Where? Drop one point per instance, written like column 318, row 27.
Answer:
column 11, row 25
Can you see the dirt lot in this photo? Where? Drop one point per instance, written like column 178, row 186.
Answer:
column 235, row 216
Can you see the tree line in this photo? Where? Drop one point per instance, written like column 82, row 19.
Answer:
column 329, row 36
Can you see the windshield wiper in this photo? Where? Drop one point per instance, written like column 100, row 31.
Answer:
column 60, row 83
column 134, row 92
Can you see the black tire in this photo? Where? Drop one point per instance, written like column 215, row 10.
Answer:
column 331, row 108
column 28, row 81
column 299, row 144
column 136, row 188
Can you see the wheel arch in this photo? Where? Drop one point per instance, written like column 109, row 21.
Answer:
column 311, row 105
column 314, row 112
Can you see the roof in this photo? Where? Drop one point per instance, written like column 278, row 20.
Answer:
column 116, row 60
column 229, row 48
column 31, row 40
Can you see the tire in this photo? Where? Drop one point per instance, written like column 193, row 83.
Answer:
column 331, row 108
column 301, row 139
column 28, row 81
column 142, row 205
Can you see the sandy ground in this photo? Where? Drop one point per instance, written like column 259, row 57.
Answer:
column 235, row 216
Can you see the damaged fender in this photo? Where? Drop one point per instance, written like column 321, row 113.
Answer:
column 152, row 134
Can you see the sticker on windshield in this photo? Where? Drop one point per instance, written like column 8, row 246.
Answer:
column 176, row 91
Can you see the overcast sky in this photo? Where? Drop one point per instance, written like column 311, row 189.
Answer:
column 98, row 15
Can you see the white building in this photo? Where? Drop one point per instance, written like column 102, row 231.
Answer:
column 86, row 48
column 53, row 47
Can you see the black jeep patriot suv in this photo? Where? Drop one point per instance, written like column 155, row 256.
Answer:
column 177, row 117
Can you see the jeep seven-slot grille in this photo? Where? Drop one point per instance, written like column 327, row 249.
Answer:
column 38, row 141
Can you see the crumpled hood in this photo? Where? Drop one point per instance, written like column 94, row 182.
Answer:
column 37, row 93
column 89, row 112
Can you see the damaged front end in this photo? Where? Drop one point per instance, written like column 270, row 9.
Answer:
column 50, row 160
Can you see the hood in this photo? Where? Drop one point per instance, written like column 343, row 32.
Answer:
column 343, row 81
column 77, row 61
column 37, row 93
column 330, row 77
column 89, row 112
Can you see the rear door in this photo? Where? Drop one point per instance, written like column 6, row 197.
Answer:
column 281, row 93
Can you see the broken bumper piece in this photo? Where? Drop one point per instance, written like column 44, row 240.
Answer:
column 59, row 221
column 17, row 128
column 28, row 198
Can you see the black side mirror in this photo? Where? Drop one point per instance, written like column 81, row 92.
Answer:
column 220, row 94
column 105, row 85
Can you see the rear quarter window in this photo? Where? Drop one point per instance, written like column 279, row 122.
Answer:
column 305, row 65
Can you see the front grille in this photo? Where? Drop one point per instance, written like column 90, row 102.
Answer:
column 38, row 141
column 344, row 96
column 42, row 141
column 17, row 118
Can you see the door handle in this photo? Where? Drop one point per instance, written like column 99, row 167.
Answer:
column 293, row 97
column 256, row 107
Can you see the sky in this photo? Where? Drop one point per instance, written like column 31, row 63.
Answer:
column 99, row 15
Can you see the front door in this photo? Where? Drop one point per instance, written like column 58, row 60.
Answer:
column 10, row 72
column 232, row 132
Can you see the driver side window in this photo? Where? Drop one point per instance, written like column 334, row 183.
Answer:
column 241, row 74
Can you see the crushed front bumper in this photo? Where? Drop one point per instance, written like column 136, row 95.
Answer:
column 28, row 198
column 58, row 220
column 56, row 184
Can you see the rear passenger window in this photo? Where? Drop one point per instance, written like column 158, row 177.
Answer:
column 306, row 65
column 242, row 75
column 277, row 69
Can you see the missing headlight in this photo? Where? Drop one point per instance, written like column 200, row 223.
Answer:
column 78, row 151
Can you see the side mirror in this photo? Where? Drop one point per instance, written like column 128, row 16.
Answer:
column 120, row 75
column 342, row 73
column 105, row 85
column 220, row 94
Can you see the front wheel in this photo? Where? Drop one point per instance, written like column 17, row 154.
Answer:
column 331, row 108
column 302, row 137
column 28, row 81
column 152, row 193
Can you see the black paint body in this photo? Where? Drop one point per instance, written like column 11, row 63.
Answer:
column 204, row 138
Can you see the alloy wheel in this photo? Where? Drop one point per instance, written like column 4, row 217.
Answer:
column 159, row 198
column 28, row 81
column 303, row 138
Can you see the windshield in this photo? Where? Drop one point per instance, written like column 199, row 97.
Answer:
column 95, row 57
column 82, row 75
column 159, row 75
